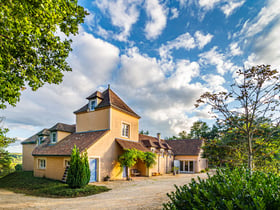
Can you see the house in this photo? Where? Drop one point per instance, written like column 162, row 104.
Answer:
column 188, row 155
column 105, row 127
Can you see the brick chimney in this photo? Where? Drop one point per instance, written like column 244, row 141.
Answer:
column 158, row 137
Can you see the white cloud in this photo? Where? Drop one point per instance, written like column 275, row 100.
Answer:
column 123, row 14
column 267, row 15
column 157, row 16
column 208, row 4
column 226, row 6
column 201, row 39
column 267, row 50
column 185, row 41
column 184, row 73
column 174, row 13
column 235, row 49
column 230, row 6
column 213, row 57
column 214, row 82
column 139, row 70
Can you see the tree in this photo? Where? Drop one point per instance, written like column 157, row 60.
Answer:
column 253, row 95
column 5, row 158
column 199, row 130
column 78, row 174
column 144, row 132
column 31, row 51
column 182, row 135
column 129, row 158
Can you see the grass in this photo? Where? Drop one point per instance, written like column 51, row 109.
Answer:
column 24, row 182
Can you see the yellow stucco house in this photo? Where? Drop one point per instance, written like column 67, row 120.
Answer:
column 105, row 127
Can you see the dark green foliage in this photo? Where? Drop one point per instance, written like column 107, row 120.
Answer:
column 18, row 167
column 229, row 189
column 24, row 182
column 78, row 174
column 5, row 163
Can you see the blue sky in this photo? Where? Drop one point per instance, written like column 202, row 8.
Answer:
column 158, row 56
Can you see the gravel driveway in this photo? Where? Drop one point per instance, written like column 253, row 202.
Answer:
column 141, row 193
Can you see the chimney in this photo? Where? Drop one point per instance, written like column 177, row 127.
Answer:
column 158, row 136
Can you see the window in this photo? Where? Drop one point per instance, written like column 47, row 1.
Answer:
column 53, row 137
column 153, row 149
column 40, row 138
column 125, row 130
column 41, row 163
column 92, row 105
column 66, row 163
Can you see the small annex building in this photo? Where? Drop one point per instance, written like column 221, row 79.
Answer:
column 105, row 127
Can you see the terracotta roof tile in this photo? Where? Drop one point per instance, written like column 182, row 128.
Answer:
column 126, row 144
column 33, row 139
column 64, row 147
column 110, row 99
column 150, row 140
column 63, row 127
column 186, row 146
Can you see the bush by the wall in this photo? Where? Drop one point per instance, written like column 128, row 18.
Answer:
column 229, row 189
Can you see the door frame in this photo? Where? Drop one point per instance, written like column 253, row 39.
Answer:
column 98, row 166
column 187, row 171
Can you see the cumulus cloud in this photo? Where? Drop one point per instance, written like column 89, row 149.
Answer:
column 230, row 6
column 201, row 39
column 218, row 59
column 157, row 15
column 235, row 49
column 174, row 13
column 139, row 70
column 123, row 14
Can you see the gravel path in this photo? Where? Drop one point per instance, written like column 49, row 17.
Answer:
column 141, row 193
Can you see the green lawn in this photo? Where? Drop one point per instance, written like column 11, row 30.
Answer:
column 24, row 182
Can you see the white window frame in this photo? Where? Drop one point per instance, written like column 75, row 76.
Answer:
column 40, row 138
column 91, row 106
column 153, row 149
column 126, row 130
column 40, row 165
column 53, row 140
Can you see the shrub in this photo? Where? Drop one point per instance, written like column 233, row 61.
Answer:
column 228, row 189
column 202, row 171
column 18, row 167
column 79, row 173
column 207, row 169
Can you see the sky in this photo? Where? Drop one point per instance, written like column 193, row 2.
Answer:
column 159, row 56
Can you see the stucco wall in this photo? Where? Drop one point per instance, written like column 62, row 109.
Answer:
column 117, row 118
column 93, row 120
column 200, row 163
column 27, row 158
column 61, row 135
column 55, row 167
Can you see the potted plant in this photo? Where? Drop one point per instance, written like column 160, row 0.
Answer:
column 175, row 170
column 106, row 178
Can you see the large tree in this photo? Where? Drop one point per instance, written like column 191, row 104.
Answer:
column 254, row 95
column 31, row 51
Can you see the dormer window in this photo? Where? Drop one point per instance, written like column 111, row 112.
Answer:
column 40, row 138
column 92, row 104
column 53, row 137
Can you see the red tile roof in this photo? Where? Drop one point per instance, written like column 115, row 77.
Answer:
column 186, row 146
column 64, row 147
column 110, row 99
column 126, row 144
column 150, row 141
